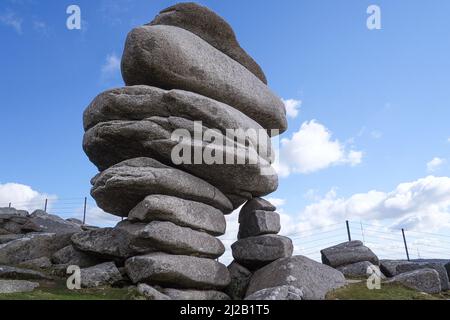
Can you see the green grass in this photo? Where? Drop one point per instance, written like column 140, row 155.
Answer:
column 359, row 291
column 60, row 292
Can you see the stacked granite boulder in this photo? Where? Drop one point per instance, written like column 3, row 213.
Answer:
column 185, row 70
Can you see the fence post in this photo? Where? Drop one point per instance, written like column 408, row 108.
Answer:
column 84, row 210
column 9, row 205
column 406, row 245
column 348, row 231
column 45, row 207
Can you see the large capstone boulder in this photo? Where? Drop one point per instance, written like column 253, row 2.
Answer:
column 256, row 252
column 348, row 253
column 185, row 213
column 53, row 224
column 313, row 278
column 106, row 243
column 423, row 280
column 240, row 278
column 277, row 293
column 362, row 269
column 168, row 237
column 259, row 223
column 120, row 188
column 17, row 286
column 12, row 273
column 177, row 271
column 172, row 58
column 439, row 267
column 105, row 274
column 194, row 295
column 71, row 256
column 210, row 27
column 32, row 246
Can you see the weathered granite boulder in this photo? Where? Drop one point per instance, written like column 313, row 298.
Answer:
column 53, row 224
column 259, row 223
column 120, row 188
column 210, row 295
column 256, row 252
column 172, row 58
column 359, row 270
column 210, row 27
column 12, row 273
column 254, row 205
column 10, row 237
column 151, row 293
column 109, row 143
column 104, row 274
column 177, row 271
column 31, row 247
column 37, row 264
column 389, row 267
column 170, row 238
column 71, row 256
column 348, row 253
column 17, row 286
column 185, row 213
column 443, row 276
column 423, row 280
column 14, row 222
column 106, row 243
column 12, row 212
column 313, row 278
column 240, row 278
column 277, row 293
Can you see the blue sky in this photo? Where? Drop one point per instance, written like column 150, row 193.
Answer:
column 375, row 103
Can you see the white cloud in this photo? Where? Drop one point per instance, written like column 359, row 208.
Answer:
column 23, row 197
column 10, row 19
column 277, row 202
column 311, row 149
column 292, row 107
column 375, row 134
column 97, row 217
column 111, row 67
column 435, row 164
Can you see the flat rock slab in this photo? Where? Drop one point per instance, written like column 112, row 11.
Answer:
column 240, row 278
column 170, row 238
column 49, row 223
column 423, row 280
column 278, row 293
column 172, row 58
column 31, row 247
column 185, row 213
column 13, row 273
column 259, row 223
column 256, row 252
column 348, row 253
column 17, row 286
column 195, row 295
column 313, row 278
column 253, row 205
column 443, row 276
column 105, row 274
column 210, row 27
column 177, row 271
column 360, row 270
column 120, row 188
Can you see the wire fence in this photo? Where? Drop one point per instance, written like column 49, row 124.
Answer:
column 385, row 242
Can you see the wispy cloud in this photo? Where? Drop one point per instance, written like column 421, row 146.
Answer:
column 111, row 67
column 292, row 107
column 435, row 164
column 10, row 19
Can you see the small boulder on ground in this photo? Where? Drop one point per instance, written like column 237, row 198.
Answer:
column 315, row 279
column 151, row 293
column 277, row 293
column 194, row 295
column 104, row 274
column 348, row 253
column 17, row 286
column 423, row 280
column 13, row 273
column 240, row 278
column 256, row 252
column 443, row 276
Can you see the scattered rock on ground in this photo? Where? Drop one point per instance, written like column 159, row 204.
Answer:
column 423, row 280
column 13, row 273
column 443, row 276
column 101, row 275
column 151, row 293
column 277, row 293
column 315, row 279
column 17, row 286
column 209, row 295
